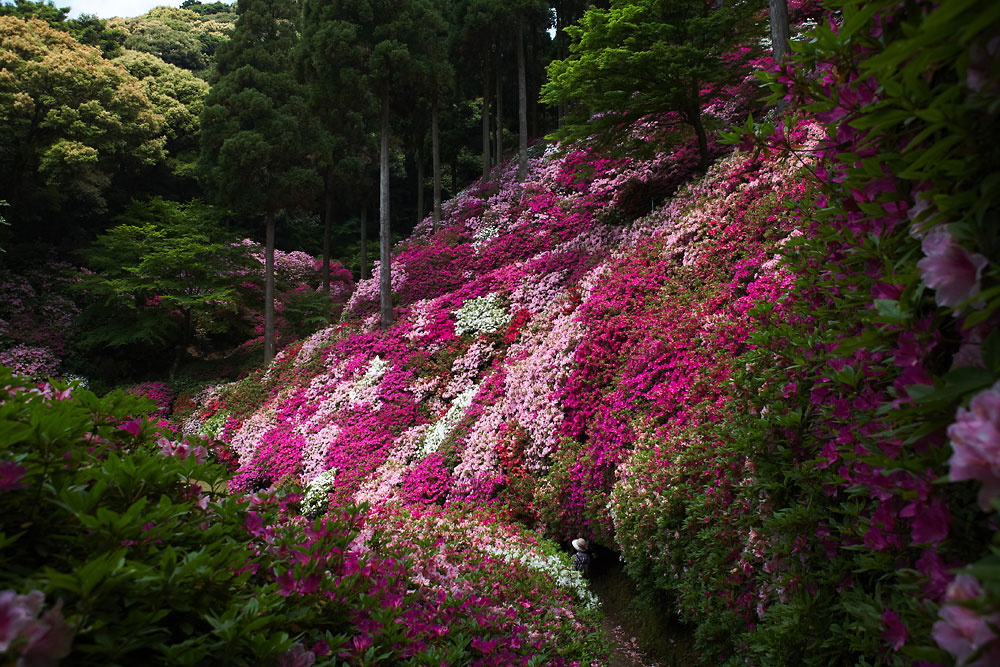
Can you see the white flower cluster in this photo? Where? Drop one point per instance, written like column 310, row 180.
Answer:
column 215, row 424
column 78, row 380
column 484, row 314
column 439, row 431
column 317, row 494
column 554, row 566
column 372, row 376
column 484, row 234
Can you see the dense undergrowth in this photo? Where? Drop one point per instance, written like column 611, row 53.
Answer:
column 774, row 395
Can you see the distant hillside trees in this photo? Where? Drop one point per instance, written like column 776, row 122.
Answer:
column 69, row 122
column 185, row 37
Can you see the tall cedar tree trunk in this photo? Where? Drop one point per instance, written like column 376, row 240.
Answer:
column 364, row 239
column 779, row 28
column 436, row 160
column 499, row 119
column 699, row 129
column 186, row 335
column 385, row 279
column 269, row 289
column 420, row 185
column 327, row 224
column 779, row 34
column 522, row 105
column 486, row 119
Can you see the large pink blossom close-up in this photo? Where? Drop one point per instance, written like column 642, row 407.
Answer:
column 975, row 440
column 950, row 270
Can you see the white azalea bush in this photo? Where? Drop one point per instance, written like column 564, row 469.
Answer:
column 484, row 314
column 317, row 495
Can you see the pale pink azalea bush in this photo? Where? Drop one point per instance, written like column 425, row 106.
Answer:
column 975, row 441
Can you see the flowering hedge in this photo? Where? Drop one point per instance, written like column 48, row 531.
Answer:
column 775, row 394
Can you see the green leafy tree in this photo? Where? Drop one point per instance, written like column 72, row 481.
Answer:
column 26, row 9
column 346, row 116
column 178, row 96
column 69, row 121
column 87, row 29
column 258, row 138
column 476, row 40
column 94, row 31
column 641, row 57
column 182, row 37
column 157, row 278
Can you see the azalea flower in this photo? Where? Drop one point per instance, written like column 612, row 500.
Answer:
column 951, row 270
column 10, row 476
column 47, row 639
column 975, row 439
column 962, row 631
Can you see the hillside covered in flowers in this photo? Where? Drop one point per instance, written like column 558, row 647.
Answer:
column 771, row 388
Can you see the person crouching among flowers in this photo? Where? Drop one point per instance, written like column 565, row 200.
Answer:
column 581, row 559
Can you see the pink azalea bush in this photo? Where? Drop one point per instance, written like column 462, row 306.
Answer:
column 158, row 392
column 35, row 315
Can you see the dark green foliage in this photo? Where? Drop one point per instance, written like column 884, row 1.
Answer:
column 161, row 275
column 39, row 9
column 259, row 141
column 644, row 57
column 145, row 558
column 257, row 133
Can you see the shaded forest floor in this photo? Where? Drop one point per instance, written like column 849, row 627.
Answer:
column 642, row 632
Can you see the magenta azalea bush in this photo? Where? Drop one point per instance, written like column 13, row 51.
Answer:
column 119, row 546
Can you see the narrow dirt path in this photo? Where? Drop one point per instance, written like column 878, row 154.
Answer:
column 641, row 635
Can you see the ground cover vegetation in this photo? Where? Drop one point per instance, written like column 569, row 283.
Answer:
column 734, row 323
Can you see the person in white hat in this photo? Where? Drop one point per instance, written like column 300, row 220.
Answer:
column 581, row 559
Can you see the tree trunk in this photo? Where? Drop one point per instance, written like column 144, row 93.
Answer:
column 699, row 129
column 779, row 28
column 486, row 120
column 327, row 224
column 499, row 118
column 420, row 185
column 522, row 105
column 364, row 239
column 436, row 163
column 186, row 336
column 385, row 277
column 269, row 290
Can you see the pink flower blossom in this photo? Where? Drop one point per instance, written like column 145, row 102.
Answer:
column 894, row 633
column 47, row 639
column 951, row 270
column 298, row 656
column 16, row 612
column 962, row 631
column 10, row 476
column 975, row 439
